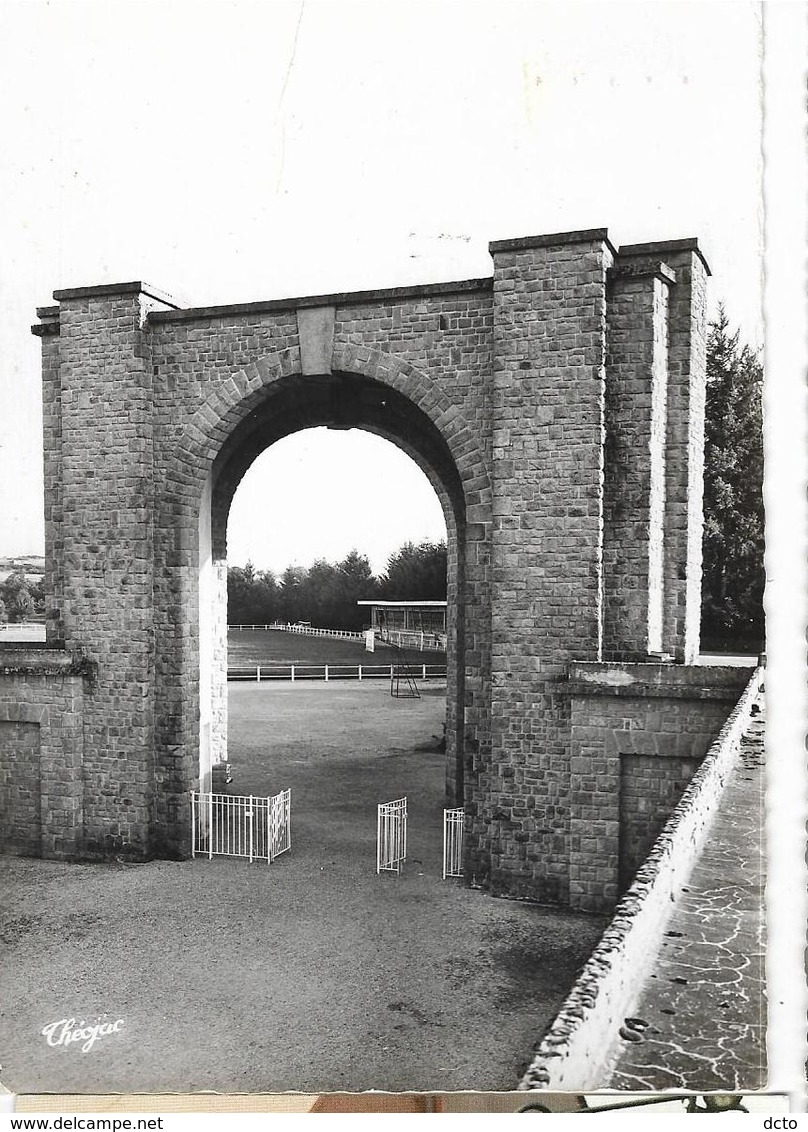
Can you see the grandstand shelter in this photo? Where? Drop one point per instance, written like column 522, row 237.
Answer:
column 414, row 624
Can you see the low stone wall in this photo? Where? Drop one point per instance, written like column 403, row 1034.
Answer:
column 638, row 734
column 42, row 692
column 574, row 1053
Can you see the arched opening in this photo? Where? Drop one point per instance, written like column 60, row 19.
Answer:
column 290, row 405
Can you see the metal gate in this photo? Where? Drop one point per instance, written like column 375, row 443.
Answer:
column 453, row 827
column 391, row 835
column 240, row 825
column 280, row 824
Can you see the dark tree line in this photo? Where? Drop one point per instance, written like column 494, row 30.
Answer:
column 327, row 592
column 733, row 579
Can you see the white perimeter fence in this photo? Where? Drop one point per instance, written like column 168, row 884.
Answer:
column 413, row 639
column 238, row 825
column 404, row 638
column 304, row 630
column 293, row 672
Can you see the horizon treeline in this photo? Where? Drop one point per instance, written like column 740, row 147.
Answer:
column 326, row 593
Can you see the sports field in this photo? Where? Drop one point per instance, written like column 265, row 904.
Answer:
column 248, row 647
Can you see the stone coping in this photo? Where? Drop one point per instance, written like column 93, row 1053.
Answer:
column 39, row 659
column 339, row 298
column 575, row 1049
column 659, row 247
column 654, row 680
column 580, row 236
column 102, row 290
column 655, row 269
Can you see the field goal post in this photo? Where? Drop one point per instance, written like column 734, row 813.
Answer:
column 402, row 676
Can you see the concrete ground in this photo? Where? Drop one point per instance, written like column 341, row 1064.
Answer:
column 311, row 974
column 703, row 1008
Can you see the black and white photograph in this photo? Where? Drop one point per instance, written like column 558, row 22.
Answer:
column 389, row 568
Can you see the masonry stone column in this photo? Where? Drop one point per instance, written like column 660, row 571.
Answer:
column 684, row 462
column 636, row 425
column 548, row 371
column 47, row 329
column 99, row 547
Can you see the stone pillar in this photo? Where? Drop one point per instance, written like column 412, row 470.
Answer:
column 548, row 388
column 684, row 471
column 106, row 504
column 48, row 331
column 634, row 493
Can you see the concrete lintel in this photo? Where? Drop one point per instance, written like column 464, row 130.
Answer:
column 525, row 243
column 337, row 299
column 659, row 247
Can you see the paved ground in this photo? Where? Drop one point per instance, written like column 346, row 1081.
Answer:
column 704, row 1005
column 312, row 974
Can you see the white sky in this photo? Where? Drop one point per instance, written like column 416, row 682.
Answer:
column 238, row 151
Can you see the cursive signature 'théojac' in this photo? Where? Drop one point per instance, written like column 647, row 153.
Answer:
column 65, row 1031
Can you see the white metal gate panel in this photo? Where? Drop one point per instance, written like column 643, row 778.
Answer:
column 453, row 827
column 280, row 824
column 391, row 835
column 240, row 825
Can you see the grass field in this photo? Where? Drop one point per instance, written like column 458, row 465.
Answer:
column 246, row 647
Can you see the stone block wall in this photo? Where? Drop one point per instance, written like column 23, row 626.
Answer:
column 505, row 392
column 635, row 729
column 20, row 788
column 634, row 490
column 42, row 747
column 575, row 1051
column 684, row 448
column 650, row 788
column 547, row 540
column 234, row 410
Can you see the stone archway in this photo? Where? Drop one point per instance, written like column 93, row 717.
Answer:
column 344, row 400
column 273, row 399
column 558, row 408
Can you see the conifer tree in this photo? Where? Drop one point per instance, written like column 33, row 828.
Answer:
column 733, row 577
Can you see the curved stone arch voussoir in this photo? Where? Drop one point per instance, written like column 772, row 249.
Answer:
column 241, row 392
column 228, row 405
column 420, row 389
